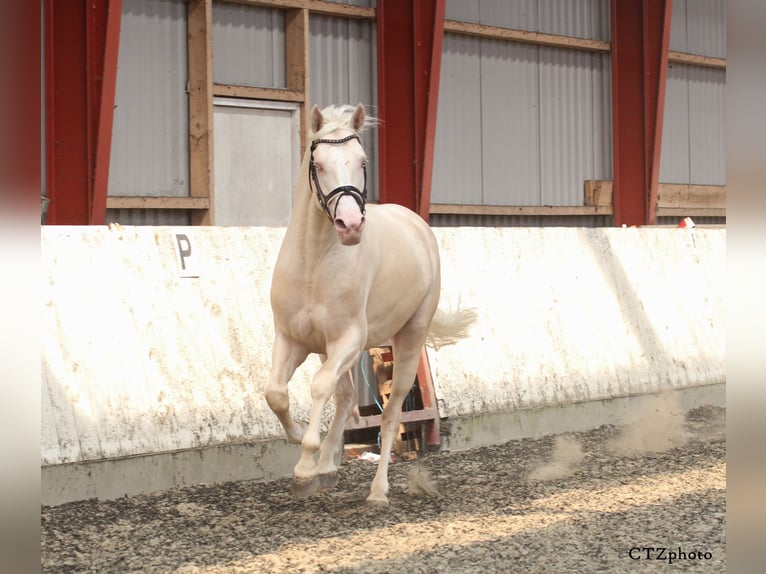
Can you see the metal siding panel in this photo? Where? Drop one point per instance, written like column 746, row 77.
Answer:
column 248, row 45
column 510, row 123
column 362, row 3
column 462, row 10
column 520, row 14
column 343, row 70
column 443, row 220
column 568, row 142
column 579, row 18
column 342, row 61
column 706, row 27
column 678, row 37
column 458, row 146
column 674, row 159
column 706, row 125
column 150, row 148
column 148, row 216
column 602, row 117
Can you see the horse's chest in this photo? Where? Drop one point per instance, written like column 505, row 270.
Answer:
column 313, row 315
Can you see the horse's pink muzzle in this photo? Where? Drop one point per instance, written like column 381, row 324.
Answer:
column 349, row 221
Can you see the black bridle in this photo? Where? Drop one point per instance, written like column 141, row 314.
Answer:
column 324, row 200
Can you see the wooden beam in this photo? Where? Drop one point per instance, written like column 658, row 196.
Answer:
column 192, row 203
column 691, row 211
column 373, row 421
column 200, row 42
column 673, row 199
column 670, row 195
column 297, row 63
column 497, row 33
column 315, row 6
column 255, row 93
column 696, row 60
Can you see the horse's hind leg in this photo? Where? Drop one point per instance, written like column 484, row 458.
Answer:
column 407, row 348
column 286, row 356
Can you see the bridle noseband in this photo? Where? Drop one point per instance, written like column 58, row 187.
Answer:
column 324, row 200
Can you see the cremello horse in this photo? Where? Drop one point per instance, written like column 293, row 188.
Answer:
column 349, row 276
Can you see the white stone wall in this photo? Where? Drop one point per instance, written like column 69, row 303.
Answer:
column 143, row 355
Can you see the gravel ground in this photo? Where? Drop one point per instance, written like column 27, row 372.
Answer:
column 593, row 501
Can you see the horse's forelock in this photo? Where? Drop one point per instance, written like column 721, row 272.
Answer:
column 339, row 117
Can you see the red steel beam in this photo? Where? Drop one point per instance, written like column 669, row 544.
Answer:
column 427, row 92
column 105, row 55
column 640, row 41
column 409, row 37
column 82, row 42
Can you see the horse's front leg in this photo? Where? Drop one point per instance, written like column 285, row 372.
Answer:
column 345, row 401
column 341, row 355
column 286, row 356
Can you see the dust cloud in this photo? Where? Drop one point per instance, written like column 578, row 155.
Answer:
column 659, row 427
column 566, row 455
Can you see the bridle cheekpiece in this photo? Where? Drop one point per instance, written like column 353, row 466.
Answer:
column 324, row 200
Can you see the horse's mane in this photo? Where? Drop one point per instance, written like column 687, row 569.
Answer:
column 339, row 117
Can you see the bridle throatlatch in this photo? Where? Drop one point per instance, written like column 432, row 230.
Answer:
column 324, row 200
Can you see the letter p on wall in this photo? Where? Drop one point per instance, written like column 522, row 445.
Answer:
column 187, row 263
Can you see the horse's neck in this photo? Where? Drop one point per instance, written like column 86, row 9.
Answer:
column 309, row 233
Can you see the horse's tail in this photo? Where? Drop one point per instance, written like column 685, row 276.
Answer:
column 448, row 327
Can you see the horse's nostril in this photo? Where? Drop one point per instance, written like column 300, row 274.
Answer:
column 340, row 224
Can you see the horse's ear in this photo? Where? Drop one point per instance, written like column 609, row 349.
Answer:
column 317, row 119
column 357, row 119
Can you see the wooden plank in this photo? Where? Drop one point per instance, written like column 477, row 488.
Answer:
column 157, row 203
column 598, row 192
column 373, row 421
column 255, row 93
column 673, row 199
column 670, row 195
column 200, row 54
column 497, row 33
column 457, row 209
column 691, row 211
column 675, row 195
column 315, row 6
column 696, row 60
column 297, row 62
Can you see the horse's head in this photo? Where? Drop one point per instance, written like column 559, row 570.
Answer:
column 338, row 169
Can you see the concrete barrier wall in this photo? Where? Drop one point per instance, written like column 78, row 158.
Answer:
column 572, row 315
column 158, row 339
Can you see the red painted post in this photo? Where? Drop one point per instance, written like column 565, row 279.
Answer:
column 409, row 56
column 428, row 93
column 106, row 53
column 82, row 42
column 640, row 40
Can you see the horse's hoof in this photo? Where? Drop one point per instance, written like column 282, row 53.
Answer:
column 305, row 487
column 377, row 500
column 328, row 481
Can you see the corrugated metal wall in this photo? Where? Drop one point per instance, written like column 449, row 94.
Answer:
column 248, row 45
column 693, row 133
column 521, row 124
column 518, row 124
column 580, row 18
column 343, row 70
column 150, row 150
